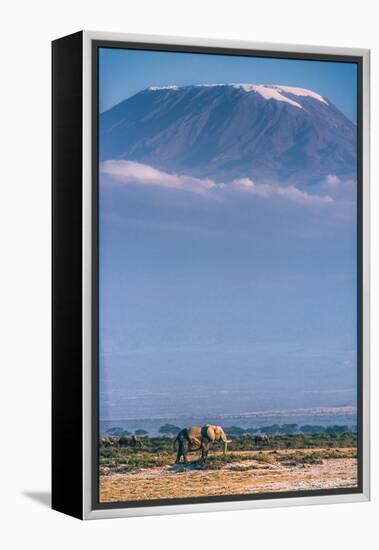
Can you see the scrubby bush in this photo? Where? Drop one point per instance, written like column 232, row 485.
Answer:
column 337, row 429
column 264, row 458
column 169, row 429
column 289, row 429
column 270, row 430
column 116, row 430
column 307, row 429
column 234, row 430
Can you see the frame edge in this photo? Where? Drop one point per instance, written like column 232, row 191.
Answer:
column 364, row 496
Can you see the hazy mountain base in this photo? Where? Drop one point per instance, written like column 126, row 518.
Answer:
column 128, row 475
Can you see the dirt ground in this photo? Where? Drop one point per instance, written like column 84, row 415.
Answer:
column 247, row 476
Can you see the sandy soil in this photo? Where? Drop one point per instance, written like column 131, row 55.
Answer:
column 247, row 476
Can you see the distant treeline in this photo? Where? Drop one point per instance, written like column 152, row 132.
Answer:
column 290, row 429
column 171, row 430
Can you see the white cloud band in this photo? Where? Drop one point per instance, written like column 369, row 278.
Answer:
column 131, row 172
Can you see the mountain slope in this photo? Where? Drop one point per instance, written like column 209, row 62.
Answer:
column 267, row 133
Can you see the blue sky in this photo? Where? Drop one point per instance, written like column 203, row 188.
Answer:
column 125, row 72
column 233, row 303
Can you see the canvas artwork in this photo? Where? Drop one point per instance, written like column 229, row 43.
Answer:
column 227, row 276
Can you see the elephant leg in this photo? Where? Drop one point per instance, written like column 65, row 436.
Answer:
column 185, row 450
column 194, row 444
column 180, row 452
column 225, row 447
column 204, row 450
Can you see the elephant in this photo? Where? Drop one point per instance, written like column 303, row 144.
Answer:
column 262, row 439
column 108, row 441
column 188, row 440
column 196, row 438
column 213, row 434
column 130, row 441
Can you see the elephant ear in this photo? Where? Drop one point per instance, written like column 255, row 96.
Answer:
column 219, row 432
column 211, row 434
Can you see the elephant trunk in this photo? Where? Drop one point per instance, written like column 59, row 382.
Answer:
column 225, row 441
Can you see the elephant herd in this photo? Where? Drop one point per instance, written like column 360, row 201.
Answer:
column 133, row 441
column 190, row 439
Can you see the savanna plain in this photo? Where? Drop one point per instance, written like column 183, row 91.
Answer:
column 299, row 462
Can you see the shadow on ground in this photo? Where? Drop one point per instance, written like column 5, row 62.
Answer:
column 41, row 497
column 185, row 466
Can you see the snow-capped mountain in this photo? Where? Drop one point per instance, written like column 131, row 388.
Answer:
column 226, row 131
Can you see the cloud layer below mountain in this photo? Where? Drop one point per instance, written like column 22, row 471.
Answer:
column 131, row 172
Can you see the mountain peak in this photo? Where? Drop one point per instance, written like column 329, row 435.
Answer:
column 267, row 91
column 265, row 132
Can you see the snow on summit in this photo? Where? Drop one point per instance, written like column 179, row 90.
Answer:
column 154, row 88
column 267, row 91
column 301, row 92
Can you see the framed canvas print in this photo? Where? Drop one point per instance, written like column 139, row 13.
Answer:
column 210, row 275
